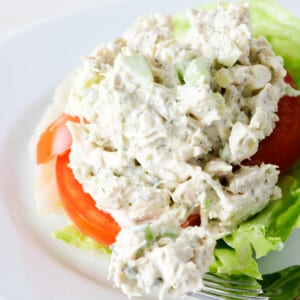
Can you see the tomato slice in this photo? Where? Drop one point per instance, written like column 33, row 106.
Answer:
column 81, row 207
column 282, row 147
column 55, row 140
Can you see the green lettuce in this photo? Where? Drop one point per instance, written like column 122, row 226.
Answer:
column 265, row 232
column 282, row 30
column 283, row 284
column 72, row 236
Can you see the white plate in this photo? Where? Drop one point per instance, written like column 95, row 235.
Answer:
column 33, row 265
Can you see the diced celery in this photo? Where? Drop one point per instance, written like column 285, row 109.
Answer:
column 149, row 235
column 197, row 70
column 138, row 67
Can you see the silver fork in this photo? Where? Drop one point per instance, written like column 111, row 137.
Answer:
column 219, row 288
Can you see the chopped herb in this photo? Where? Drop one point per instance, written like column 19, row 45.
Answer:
column 149, row 235
column 130, row 272
column 161, row 146
column 168, row 232
column 180, row 77
column 207, row 203
column 140, row 252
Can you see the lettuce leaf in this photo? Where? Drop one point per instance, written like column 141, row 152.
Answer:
column 72, row 236
column 286, row 281
column 282, row 30
column 265, row 232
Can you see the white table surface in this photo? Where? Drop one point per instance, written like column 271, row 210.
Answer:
column 16, row 15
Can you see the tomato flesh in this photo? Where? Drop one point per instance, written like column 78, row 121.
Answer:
column 282, row 147
column 55, row 140
column 81, row 207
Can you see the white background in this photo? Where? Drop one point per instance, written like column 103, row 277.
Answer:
column 17, row 14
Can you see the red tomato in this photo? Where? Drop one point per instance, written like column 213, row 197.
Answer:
column 55, row 140
column 282, row 147
column 81, row 207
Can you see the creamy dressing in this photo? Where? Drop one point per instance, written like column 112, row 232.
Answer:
column 169, row 123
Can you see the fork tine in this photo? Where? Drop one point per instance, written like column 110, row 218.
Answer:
column 238, row 289
column 217, row 279
column 206, row 295
column 222, row 293
column 225, row 287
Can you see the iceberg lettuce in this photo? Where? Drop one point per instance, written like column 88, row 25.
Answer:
column 282, row 30
column 72, row 236
column 265, row 232
column 286, row 281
